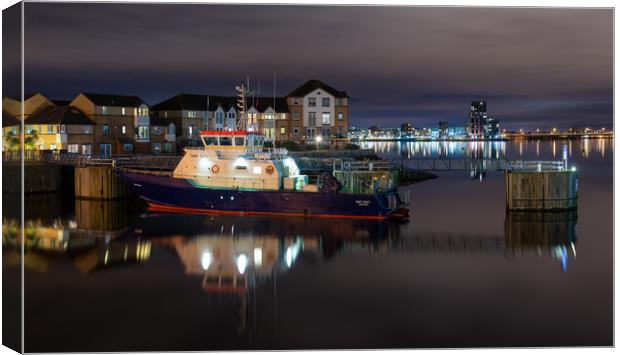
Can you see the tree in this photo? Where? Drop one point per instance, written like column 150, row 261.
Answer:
column 11, row 140
column 30, row 140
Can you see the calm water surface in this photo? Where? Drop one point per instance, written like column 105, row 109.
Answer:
column 462, row 272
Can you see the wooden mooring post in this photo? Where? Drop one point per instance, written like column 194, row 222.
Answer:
column 98, row 182
column 541, row 190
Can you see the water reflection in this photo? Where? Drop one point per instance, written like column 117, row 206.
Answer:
column 232, row 253
column 489, row 150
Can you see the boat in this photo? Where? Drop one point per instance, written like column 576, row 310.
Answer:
column 234, row 173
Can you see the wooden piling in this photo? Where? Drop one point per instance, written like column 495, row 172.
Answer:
column 541, row 190
column 98, row 182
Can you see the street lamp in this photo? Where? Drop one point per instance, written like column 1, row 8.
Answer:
column 318, row 140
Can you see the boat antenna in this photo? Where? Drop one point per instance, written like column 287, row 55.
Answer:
column 242, row 106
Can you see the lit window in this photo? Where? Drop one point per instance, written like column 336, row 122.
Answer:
column 282, row 130
column 143, row 132
column 340, row 116
column 257, row 170
column 123, row 129
column 122, row 112
column 73, row 148
column 325, row 118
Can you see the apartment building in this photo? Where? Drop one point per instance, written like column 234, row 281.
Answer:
column 163, row 135
column 317, row 109
column 122, row 123
column 188, row 112
column 61, row 128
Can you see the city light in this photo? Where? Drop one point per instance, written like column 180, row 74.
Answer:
column 242, row 263
column 318, row 139
column 258, row 256
column 206, row 259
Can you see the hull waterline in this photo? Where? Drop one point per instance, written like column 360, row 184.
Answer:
column 172, row 195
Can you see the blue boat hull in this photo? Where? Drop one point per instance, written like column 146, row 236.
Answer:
column 179, row 195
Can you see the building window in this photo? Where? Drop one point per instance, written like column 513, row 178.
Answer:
column 341, row 101
column 219, row 118
column 143, row 132
column 73, row 148
column 104, row 110
column 340, row 116
column 157, row 147
column 311, row 118
column 143, row 111
column 295, row 115
column 282, row 130
column 231, row 115
column 123, row 129
column 171, row 129
column 105, row 130
column 283, row 116
column 325, row 118
column 50, row 128
column 168, row 147
column 86, row 149
column 312, row 102
column 192, row 114
column 123, row 111
column 295, row 131
column 166, row 114
column 128, row 147
column 269, row 116
column 325, row 101
column 156, row 130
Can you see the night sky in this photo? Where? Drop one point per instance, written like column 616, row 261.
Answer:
column 536, row 68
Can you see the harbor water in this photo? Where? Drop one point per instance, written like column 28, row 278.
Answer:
column 462, row 272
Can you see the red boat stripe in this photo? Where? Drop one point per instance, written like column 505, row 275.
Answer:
column 164, row 208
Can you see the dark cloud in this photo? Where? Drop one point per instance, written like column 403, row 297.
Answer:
column 421, row 64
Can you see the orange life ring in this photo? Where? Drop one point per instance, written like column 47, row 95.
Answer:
column 269, row 169
column 215, row 169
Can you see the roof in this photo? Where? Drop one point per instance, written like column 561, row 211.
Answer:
column 312, row 85
column 182, row 102
column 211, row 103
column 59, row 115
column 114, row 100
column 263, row 103
column 159, row 121
column 8, row 120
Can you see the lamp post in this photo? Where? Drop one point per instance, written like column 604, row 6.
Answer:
column 318, row 140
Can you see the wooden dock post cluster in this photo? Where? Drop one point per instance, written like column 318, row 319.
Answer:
column 98, row 182
column 541, row 190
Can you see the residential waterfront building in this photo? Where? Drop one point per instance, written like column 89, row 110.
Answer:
column 61, row 128
column 477, row 118
column 163, row 135
column 122, row 123
column 317, row 109
column 188, row 112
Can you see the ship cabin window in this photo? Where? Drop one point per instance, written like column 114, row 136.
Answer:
column 225, row 141
column 239, row 141
column 209, row 140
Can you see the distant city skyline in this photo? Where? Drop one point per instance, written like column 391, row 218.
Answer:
column 535, row 67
